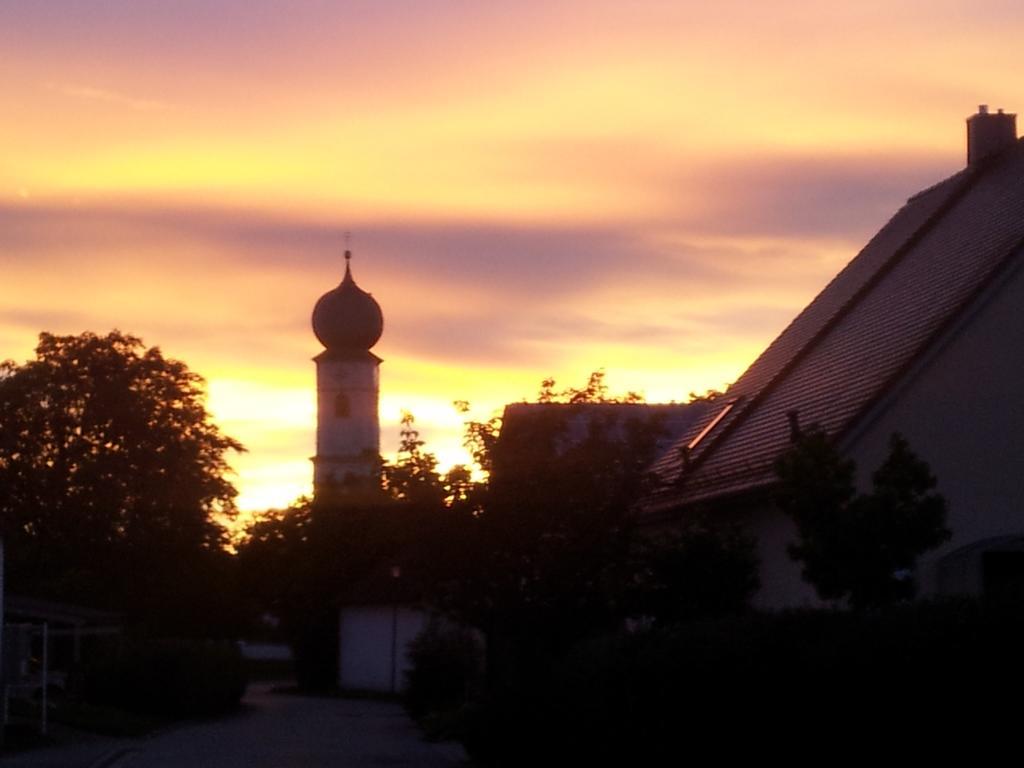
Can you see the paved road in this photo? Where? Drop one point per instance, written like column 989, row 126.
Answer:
column 275, row 731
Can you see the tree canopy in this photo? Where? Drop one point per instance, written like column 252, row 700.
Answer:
column 551, row 550
column 108, row 459
column 861, row 547
column 537, row 549
column 299, row 563
column 414, row 476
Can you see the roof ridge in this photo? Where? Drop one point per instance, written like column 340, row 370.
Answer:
column 931, row 188
column 753, row 400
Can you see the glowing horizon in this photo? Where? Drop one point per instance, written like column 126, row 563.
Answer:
column 537, row 189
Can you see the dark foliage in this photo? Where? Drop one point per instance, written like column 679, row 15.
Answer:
column 790, row 683
column 301, row 564
column 169, row 678
column 539, row 555
column 447, row 671
column 113, row 488
column 594, row 391
column 700, row 571
column 545, row 550
column 859, row 547
column 549, row 553
column 293, row 565
column 414, row 478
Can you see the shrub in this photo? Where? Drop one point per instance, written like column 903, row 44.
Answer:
column 446, row 673
column 169, row 678
column 740, row 683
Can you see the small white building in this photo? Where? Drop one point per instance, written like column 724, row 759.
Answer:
column 922, row 333
column 379, row 618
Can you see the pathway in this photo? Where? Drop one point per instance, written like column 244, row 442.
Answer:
column 274, row 731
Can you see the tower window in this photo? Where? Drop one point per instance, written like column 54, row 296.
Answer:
column 342, row 409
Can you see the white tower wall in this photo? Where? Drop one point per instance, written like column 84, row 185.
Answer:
column 348, row 430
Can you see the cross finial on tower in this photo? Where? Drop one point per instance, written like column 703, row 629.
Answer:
column 348, row 256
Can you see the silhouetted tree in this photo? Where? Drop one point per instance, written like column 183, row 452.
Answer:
column 594, row 391
column 542, row 555
column 413, row 477
column 300, row 563
column 273, row 559
column 538, row 554
column 859, row 547
column 113, row 485
column 293, row 565
column 699, row 571
column 548, row 555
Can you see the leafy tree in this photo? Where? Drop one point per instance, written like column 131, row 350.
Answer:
column 414, row 477
column 113, row 476
column 594, row 391
column 548, row 555
column 543, row 555
column 272, row 554
column 292, row 565
column 414, row 474
column 298, row 563
column 699, row 571
column 859, row 547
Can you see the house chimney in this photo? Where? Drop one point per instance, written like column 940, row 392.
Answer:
column 988, row 134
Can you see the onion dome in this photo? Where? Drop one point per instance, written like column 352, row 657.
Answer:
column 347, row 319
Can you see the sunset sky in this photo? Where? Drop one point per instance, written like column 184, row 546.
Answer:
column 533, row 188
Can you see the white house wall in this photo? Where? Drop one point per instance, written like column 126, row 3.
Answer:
column 367, row 636
column 962, row 411
column 782, row 585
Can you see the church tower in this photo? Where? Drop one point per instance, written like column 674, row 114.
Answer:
column 348, row 322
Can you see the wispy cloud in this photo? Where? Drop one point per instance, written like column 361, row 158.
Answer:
column 102, row 95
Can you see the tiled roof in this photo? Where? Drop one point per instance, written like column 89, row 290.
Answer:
column 868, row 325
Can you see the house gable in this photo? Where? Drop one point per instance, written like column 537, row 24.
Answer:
column 863, row 332
column 959, row 410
